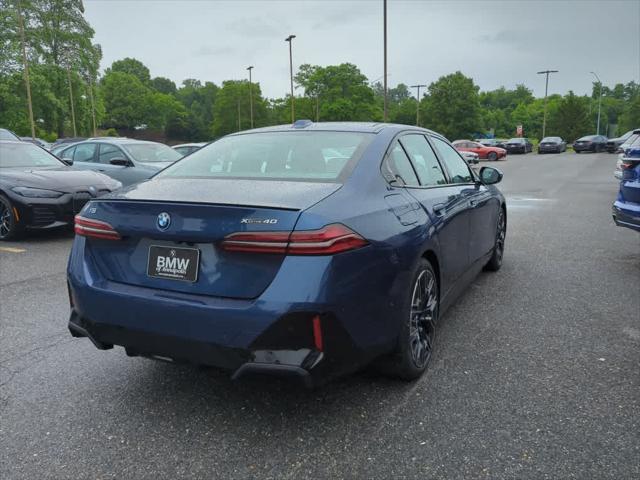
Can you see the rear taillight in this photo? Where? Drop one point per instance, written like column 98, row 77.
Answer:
column 628, row 165
column 95, row 229
column 328, row 240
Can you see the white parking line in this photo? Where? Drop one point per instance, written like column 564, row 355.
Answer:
column 12, row 250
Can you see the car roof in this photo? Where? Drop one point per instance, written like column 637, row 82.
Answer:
column 116, row 140
column 195, row 144
column 359, row 127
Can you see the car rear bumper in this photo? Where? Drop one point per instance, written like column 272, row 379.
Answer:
column 275, row 333
column 626, row 215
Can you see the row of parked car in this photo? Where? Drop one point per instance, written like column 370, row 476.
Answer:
column 626, row 208
column 497, row 149
column 39, row 190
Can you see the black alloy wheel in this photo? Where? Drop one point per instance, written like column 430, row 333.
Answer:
column 8, row 221
column 495, row 262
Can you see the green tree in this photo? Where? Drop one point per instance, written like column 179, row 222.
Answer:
column 571, row 119
column 133, row 67
column 630, row 118
column 453, row 106
column 125, row 99
column 164, row 85
column 231, row 109
column 342, row 92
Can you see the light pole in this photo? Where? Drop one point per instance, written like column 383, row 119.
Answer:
column 250, row 95
column 73, row 111
column 599, row 101
column 418, row 107
column 384, row 8
column 290, row 40
column 546, row 88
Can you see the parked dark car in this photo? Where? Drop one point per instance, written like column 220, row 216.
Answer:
column 264, row 252
column 626, row 208
column 128, row 161
column 614, row 143
column 8, row 135
column 590, row 143
column 492, row 142
column 37, row 141
column 38, row 191
column 67, row 141
column 518, row 145
column 552, row 145
column 187, row 148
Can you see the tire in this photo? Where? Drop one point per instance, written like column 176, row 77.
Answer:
column 495, row 262
column 492, row 156
column 418, row 329
column 9, row 228
column 577, row 151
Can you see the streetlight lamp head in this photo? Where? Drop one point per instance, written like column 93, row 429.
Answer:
column 289, row 38
column 249, row 68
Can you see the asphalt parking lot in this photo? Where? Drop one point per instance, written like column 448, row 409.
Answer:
column 535, row 374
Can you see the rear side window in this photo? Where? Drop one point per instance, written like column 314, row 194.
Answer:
column 399, row 165
column 424, row 160
column 302, row 156
column 458, row 169
column 84, row 152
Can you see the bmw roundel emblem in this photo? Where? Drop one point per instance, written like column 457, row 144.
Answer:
column 164, row 220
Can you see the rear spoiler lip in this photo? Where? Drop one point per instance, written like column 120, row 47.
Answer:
column 174, row 202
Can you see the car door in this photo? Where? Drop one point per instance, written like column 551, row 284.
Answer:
column 445, row 205
column 84, row 156
column 476, row 148
column 482, row 207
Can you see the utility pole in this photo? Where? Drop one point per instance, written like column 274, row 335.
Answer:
column 546, row 88
column 418, row 107
column 73, row 111
column 384, row 7
column 239, row 125
column 93, row 108
column 290, row 40
column 27, row 81
column 250, row 95
column 599, row 101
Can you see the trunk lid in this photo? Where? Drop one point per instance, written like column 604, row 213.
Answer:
column 202, row 213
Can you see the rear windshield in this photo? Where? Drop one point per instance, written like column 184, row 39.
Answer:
column 551, row 139
column 516, row 140
column 588, row 137
column 26, row 155
column 301, row 156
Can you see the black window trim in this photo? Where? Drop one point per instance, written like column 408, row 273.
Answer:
column 444, row 171
column 443, row 163
column 428, row 135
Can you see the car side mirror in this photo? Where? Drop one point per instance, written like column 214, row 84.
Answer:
column 490, row 175
column 122, row 162
column 68, row 161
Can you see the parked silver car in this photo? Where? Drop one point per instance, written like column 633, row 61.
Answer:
column 127, row 160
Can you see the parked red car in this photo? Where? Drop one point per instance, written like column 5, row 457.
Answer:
column 483, row 151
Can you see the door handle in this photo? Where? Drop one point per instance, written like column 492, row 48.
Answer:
column 439, row 209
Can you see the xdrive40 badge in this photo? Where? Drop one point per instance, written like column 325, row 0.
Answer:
column 270, row 221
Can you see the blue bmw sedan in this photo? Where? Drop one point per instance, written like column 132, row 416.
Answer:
column 307, row 250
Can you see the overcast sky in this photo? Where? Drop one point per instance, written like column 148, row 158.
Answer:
column 495, row 43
